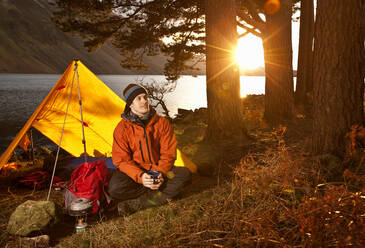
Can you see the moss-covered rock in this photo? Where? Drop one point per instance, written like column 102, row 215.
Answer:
column 32, row 217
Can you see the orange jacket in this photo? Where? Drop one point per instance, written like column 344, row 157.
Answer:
column 137, row 149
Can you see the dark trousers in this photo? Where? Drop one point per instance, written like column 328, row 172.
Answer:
column 122, row 187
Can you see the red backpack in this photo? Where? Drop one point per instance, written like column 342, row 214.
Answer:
column 89, row 180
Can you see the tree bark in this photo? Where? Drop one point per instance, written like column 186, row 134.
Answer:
column 305, row 55
column 223, row 82
column 277, row 45
column 338, row 73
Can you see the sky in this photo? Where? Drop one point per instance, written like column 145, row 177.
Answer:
column 251, row 46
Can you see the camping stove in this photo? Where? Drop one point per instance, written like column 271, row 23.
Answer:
column 80, row 209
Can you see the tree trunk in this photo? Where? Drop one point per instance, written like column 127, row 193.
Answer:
column 338, row 73
column 305, row 56
column 278, row 65
column 223, row 82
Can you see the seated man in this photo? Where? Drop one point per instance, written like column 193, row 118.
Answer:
column 144, row 151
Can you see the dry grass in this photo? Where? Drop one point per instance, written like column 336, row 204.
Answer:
column 277, row 196
column 275, row 199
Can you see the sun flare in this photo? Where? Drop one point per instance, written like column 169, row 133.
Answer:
column 249, row 54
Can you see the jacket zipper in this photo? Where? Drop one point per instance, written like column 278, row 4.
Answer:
column 140, row 148
column 148, row 148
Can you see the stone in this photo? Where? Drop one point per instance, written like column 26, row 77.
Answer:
column 201, row 112
column 183, row 112
column 195, row 133
column 32, row 217
column 38, row 241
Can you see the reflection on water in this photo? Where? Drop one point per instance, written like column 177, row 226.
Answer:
column 22, row 93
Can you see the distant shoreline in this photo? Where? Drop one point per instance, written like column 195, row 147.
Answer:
column 131, row 74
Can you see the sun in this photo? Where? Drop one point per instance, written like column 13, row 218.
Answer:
column 249, row 54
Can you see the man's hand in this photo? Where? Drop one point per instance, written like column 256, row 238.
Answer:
column 147, row 181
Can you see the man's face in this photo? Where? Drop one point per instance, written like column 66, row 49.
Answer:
column 140, row 105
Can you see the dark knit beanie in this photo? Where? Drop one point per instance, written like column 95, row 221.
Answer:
column 132, row 91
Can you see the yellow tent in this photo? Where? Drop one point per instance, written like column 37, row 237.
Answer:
column 101, row 109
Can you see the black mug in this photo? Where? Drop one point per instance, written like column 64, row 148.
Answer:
column 154, row 176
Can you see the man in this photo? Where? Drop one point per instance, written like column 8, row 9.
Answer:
column 144, row 151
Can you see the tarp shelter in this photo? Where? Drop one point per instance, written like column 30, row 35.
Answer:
column 101, row 111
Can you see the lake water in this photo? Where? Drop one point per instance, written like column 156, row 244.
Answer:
column 20, row 94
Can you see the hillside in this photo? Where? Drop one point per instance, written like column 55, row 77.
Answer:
column 31, row 43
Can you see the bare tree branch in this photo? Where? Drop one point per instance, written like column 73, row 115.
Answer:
column 248, row 29
column 253, row 12
column 157, row 92
column 249, row 20
column 243, row 34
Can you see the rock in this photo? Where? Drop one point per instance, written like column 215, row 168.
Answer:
column 201, row 112
column 189, row 119
column 198, row 116
column 195, row 133
column 184, row 119
column 183, row 112
column 38, row 241
column 190, row 149
column 32, row 217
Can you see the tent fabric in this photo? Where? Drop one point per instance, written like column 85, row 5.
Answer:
column 101, row 109
column 182, row 160
column 75, row 162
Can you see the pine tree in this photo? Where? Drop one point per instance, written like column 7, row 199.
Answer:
column 275, row 31
column 305, row 55
column 223, row 83
column 339, row 68
column 138, row 28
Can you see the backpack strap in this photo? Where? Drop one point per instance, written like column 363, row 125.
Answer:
column 105, row 181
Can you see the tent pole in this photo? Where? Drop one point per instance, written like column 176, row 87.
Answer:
column 63, row 128
column 32, row 145
column 82, row 120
